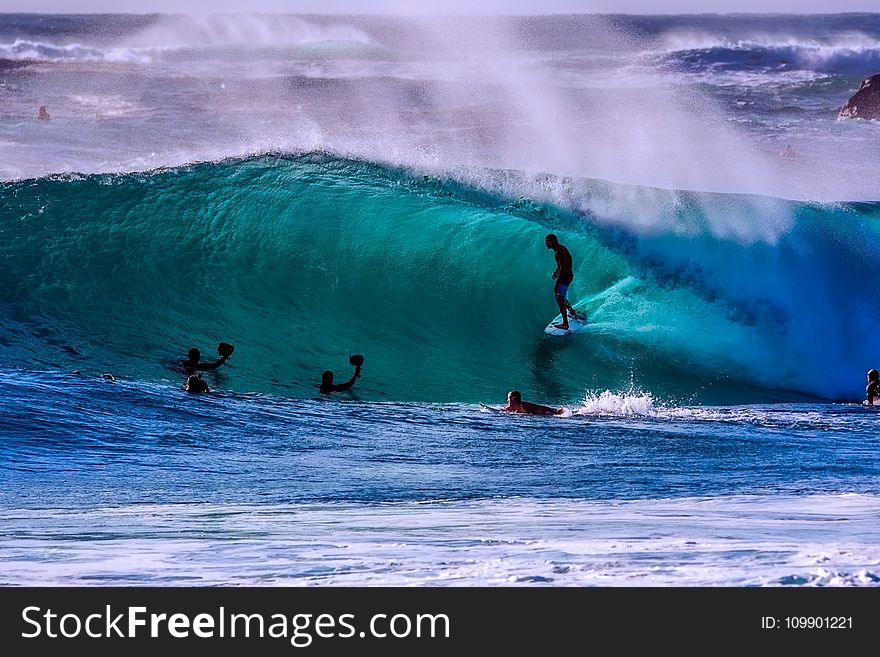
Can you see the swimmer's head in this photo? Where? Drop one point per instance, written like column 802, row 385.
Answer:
column 195, row 383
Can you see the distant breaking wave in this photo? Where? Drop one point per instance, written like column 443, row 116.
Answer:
column 846, row 53
column 23, row 50
column 696, row 40
column 193, row 33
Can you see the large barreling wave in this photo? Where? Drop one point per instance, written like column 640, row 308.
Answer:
column 442, row 283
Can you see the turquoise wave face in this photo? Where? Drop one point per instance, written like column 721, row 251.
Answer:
column 444, row 287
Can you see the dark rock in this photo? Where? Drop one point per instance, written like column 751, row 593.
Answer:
column 865, row 103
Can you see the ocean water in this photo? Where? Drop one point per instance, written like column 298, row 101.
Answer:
column 311, row 187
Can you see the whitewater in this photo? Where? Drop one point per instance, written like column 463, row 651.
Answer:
column 310, row 187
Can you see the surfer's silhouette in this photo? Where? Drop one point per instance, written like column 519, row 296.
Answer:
column 327, row 384
column 564, row 276
column 194, row 363
column 872, row 391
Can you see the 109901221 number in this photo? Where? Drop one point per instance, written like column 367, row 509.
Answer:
column 817, row 622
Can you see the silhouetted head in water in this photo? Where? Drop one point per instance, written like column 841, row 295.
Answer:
column 873, row 375
column 327, row 379
column 194, row 355
column 195, row 383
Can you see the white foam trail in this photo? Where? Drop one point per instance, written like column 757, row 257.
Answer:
column 733, row 541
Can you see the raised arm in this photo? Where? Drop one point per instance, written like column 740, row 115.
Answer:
column 212, row 366
column 348, row 384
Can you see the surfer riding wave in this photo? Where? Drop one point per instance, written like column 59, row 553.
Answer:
column 564, row 277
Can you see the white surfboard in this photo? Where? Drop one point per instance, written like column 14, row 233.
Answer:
column 591, row 305
column 574, row 325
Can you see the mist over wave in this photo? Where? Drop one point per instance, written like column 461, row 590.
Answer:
column 701, row 103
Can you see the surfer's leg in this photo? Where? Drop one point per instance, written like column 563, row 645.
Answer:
column 560, row 290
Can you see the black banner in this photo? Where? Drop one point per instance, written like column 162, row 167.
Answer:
column 431, row 620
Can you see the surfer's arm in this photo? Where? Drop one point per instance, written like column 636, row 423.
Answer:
column 212, row 366
column 348, row 384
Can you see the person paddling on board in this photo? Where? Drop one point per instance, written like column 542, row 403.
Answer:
column 564, row 276
column 872, row 391
column 515, row 404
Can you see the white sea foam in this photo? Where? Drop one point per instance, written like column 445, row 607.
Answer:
column 612, row 404
column 733, row 541
column 751, row 79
